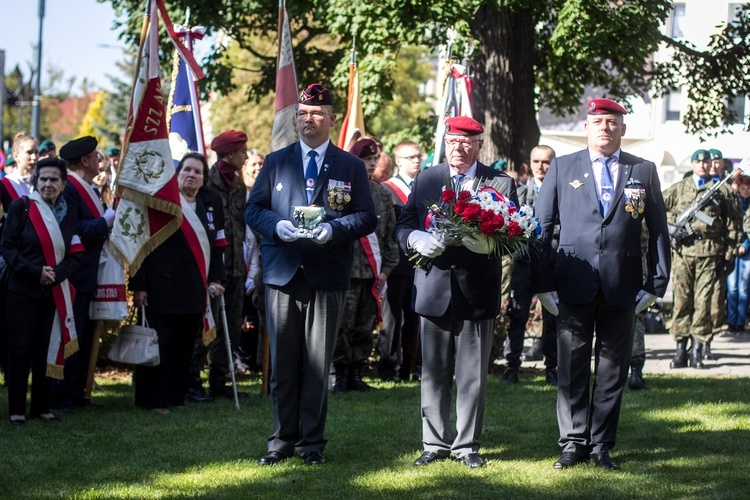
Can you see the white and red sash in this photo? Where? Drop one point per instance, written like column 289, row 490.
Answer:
column 197, row 239
column 63, row 341
column 87, row 194
column 15, row 187
column 399, row 187
column 371, row 246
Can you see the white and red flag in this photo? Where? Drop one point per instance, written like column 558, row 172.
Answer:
column 284, row 130
column 149, row 208
column 353, row 126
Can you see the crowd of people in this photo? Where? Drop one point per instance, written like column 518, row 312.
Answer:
column 315, row 246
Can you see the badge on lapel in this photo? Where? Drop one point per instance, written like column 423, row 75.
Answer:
column 576, row 184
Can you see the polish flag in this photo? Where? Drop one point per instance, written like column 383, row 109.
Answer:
column 353, row 126
column 284, row 130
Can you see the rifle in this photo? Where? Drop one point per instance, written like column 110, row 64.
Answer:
column 682, row 228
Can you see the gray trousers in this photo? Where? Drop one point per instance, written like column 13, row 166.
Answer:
column 302, row 328
column 444, row 340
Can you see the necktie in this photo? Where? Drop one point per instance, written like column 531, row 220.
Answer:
column 606, row 186
column 311, row 175
column 457, row 182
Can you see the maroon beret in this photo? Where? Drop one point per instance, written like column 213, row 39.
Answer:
column 364, row 148
column 229, row 141
column 463, row 125
column 605, row 107
column 316, row 95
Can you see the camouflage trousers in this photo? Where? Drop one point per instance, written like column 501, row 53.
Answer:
column 693, row 280
column 355, row 338
column 719, row 303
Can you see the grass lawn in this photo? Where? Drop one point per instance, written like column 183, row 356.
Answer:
column 682, row 438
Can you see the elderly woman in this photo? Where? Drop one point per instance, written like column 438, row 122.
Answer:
column 173, row 283
column 41, row 249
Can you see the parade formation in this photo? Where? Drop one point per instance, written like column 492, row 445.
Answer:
column 335, row 271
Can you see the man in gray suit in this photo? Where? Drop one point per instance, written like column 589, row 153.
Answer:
column 457, row 300
column 600, row 196
column 306, row 278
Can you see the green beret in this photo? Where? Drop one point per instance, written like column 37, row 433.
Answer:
column 112, row 151
column 715, row 154
column 700, row 155
column 47, row 146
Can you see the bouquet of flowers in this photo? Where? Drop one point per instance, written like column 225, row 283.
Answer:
column 480, row 211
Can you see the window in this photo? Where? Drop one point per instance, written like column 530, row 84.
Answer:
column 672, row 104
column 733, row 9
column 737, row 105
column 677, row 21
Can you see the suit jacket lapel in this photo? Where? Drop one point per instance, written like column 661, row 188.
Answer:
column 586, row 176
column 325, row 169
column 298, row 173
column 624, row 173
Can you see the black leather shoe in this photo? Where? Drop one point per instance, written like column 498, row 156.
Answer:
column 472, row 460
column 569, row 459
column 510, row 376
column 427, row 457
column 313, row 458
column 551, row 377
column 604, row 461
column 198, row 396
column 273, row 458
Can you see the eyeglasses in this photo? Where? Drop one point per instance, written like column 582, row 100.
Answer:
column 454, row 143
column 317, row 115
column 410, row 158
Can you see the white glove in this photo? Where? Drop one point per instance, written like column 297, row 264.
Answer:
column 643, row 299
column 286, row 230
column 249, row 286
column 425, row 244
column 477, row 244
column 549, row 301
column 322, row 233
column 109, row 216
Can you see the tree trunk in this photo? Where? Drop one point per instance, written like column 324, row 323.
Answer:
column 504, row 88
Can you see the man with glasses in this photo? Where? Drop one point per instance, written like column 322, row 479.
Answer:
column 398, row 343
column 306, row 278
column 457, row 300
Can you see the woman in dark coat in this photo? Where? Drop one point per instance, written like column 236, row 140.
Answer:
column 173, row 284
column 41, row 248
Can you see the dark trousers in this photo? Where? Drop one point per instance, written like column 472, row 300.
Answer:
column 518, row 314
column 164, row 385
column 29, row 326
column 72, row 388
column 302, row 328
column 398, row 343
column 354, row 341
column 588, row 422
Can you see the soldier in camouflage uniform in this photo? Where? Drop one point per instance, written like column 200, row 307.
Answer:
column 361, row 309
column 696, row 259
column 231, row 149
column 719, row 293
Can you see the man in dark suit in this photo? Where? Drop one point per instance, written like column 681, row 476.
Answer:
column 94, row 223
column 306, row 278
column 600, row 196
column 458, row 300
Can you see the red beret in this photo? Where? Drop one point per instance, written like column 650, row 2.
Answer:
column 605, row 107
column 229, row 141
column 316, row 95
column 463, row 125
column 364, row 148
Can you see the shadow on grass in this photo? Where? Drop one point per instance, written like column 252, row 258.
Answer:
column 682, row 438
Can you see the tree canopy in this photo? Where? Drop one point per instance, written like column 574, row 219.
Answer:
column 526, row 54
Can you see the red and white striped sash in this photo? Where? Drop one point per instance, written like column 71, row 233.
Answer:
column 15, row 187
column 371, row 246
column 87, row 193
column 63, row 341
column 399, row 187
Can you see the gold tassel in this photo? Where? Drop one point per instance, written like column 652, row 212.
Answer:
column 70, row 348
column 209, row 335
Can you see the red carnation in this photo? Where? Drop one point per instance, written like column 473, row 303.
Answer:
column 472, row 212
column 448, row 195
column 514, row 229
column 464, row 195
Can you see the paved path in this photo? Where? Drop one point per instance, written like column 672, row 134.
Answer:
column 733, row 357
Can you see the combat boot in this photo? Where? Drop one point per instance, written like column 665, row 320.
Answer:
column 636, row 375
column 707, row 354
column 680, row 359
column 696, row 356
column 355, row 379
column 342, row 378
